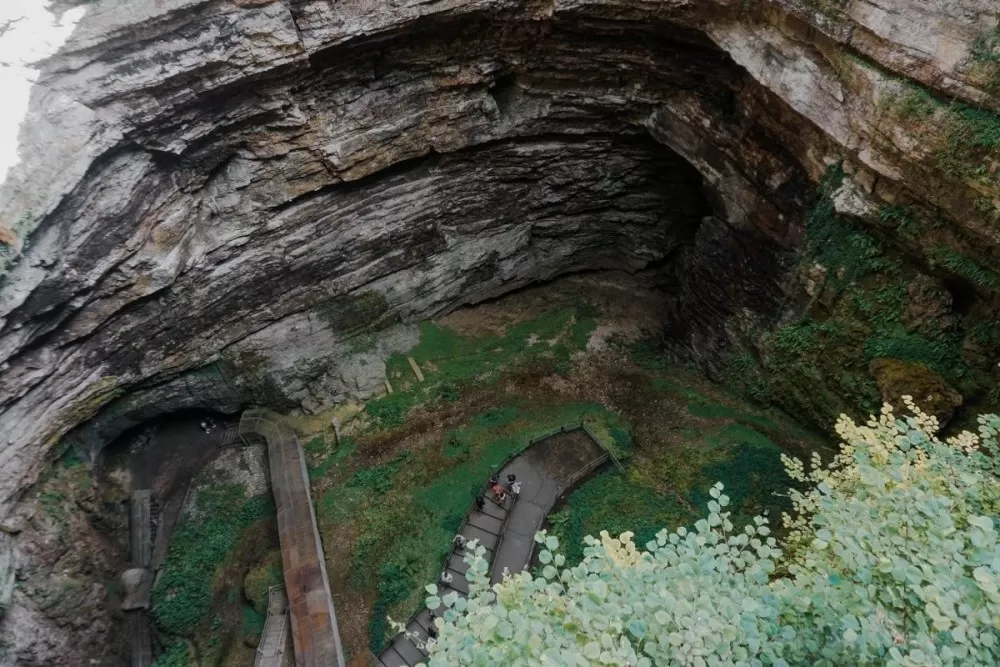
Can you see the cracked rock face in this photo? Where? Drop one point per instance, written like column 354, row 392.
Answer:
column 215, row 195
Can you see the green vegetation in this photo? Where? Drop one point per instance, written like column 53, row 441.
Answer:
column 967, row 267
column 836, row 243
column 450, row 360
column 177, row 654
column 967, row 138
column 664, row 485
column 430, row 489
column 200, row 545
column 395, row 586
column 818, row 366
column 890, row 558
column 663, row 491
column 330, row 460
column 253, row 621
column 986, row 60
column 259, row 580
column 987, row 47
column 614, row 502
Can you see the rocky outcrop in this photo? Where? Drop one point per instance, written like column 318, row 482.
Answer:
column 200, row 172
column 217, row 196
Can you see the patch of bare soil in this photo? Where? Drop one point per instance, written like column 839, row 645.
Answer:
column 628, row 303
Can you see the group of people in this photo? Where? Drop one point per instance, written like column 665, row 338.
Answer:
column 208, row 425
column 512, row 488
column 500, row 491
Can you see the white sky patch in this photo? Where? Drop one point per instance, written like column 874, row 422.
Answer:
column 32, row 33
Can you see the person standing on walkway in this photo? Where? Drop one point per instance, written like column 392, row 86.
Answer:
column 480, row 503
column 499, row 493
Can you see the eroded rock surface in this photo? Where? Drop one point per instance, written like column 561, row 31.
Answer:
column 217, row 196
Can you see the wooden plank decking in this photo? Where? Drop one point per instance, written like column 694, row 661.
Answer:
column 315, row 637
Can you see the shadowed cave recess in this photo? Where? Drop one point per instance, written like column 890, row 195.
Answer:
column 243, row 190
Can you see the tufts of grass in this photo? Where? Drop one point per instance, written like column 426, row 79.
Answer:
column 201, row 544
column 259, row 580
column 742, row 372
column 647, row 356
column 942, row 355
column 394, row 586
column 177, row 654
column 850, row 252
column 902, row 218
column 450, row 360
column 253, row 621
column 967, row 267
column 405, row 513
column 333, row 460
column 711, row 410
column 754, row 477
column 616, row 503
column 672, row 490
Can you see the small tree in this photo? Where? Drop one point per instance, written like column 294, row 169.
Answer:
column 892, row 558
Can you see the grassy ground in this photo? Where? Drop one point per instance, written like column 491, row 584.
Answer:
column 391, row 494
column 666, row 484
column 207, row 601
column 392, row 490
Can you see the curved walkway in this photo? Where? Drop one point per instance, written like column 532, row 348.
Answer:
column 315, row 637
column 547, row 469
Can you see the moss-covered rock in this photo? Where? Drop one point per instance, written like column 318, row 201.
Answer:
column 897, row 378
column 260, row 578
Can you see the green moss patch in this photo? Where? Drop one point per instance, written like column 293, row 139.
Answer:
column 671, row 489
column 450, row 360
column 200, row 545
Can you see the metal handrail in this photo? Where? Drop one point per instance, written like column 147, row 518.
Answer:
column 593, row 436
column 263, row 632
column 280, row 648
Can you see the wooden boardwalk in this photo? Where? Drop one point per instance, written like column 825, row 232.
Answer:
column 140, row 533
column 547, row 470
column 315, row 637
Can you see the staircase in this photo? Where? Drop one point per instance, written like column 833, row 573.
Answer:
column 271, row 648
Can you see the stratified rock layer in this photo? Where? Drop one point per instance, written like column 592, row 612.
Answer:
column 216, row 194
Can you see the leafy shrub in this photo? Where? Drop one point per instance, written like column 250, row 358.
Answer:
column 892, row 558
column 389, row 411
column 967, row 268
column 394, row 586
column 177, row 654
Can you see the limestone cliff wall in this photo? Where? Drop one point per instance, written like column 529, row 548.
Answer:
column 198, row 171
column 216, row 191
